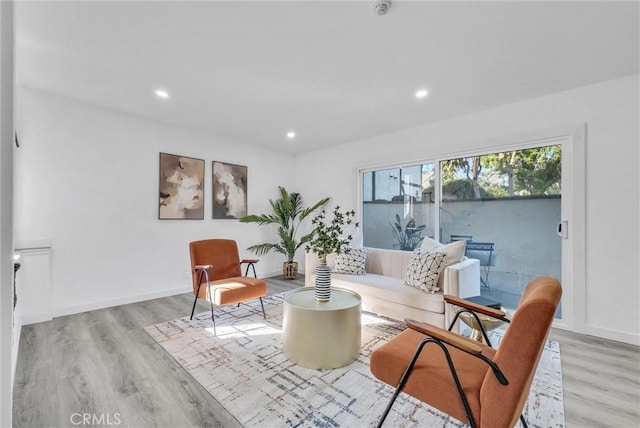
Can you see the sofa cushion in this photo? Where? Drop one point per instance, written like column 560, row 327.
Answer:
column 390, row 289
column 351, row 262
column 423, row 270
column 391, row 263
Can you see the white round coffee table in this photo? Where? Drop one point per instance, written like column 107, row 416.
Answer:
column 321, row 335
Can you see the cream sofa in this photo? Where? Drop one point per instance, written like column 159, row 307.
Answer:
column 383, row 291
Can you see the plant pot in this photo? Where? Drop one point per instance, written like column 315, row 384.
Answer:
column 323, row 283
column 290, row 270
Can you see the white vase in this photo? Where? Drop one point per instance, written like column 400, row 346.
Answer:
column 323, row 283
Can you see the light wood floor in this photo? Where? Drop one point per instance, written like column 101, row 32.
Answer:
column 103, row 364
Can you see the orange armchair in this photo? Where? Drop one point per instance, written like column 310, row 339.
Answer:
column 466, row 379
column 217, row 275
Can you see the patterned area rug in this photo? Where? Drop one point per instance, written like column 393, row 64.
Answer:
column 245, row 369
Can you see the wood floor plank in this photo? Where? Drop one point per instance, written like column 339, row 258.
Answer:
column 601, row 380
column 104, row 363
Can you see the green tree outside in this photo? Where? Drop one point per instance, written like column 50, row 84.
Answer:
column 526, row 172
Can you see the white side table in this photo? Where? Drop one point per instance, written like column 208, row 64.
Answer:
column 321, row 335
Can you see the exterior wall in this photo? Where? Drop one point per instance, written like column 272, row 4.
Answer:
column 523, row 232
column 525, row 242
column 610, row 111
column 378, row 217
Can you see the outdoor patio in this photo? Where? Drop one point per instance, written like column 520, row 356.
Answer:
column 521, row 231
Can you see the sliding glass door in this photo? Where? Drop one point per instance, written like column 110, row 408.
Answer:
column 507, row 203
column 507, row 206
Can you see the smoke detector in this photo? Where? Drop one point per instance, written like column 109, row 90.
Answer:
column 380, row 7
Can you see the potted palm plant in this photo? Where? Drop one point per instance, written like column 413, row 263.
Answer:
column 287, row 212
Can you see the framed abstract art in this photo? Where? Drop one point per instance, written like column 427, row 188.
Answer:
column 229, row 190
column 181, row 188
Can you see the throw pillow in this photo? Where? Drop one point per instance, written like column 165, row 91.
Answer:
column 352, row 262
column 455, row 254
column 429, row 244
column 423, row 270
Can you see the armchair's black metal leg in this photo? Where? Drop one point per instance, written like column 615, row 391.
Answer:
column 252, row 266
column 482, row 329
column 463, row 398
column 403, row 380
column 524, row 423
column 213, row 319
column 264, row 314
column 204, row 273
column 196, row 299
column 455, row 318
column 194, row 306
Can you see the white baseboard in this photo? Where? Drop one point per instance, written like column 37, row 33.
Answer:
column 101, row 304
column 617, row 335
column 92, row 306
column 36, row 318
column 270, row 274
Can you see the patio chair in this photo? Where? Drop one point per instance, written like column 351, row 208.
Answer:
column 466, row 379
column 217, row 275
column 482, row 251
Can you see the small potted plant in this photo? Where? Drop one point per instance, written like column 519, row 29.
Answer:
column 328, row 238
column 288, row 213
column 409, row 238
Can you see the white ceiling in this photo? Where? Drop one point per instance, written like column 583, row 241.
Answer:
column 332, row 71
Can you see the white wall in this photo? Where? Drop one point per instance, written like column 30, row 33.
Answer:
column 610, row 111
column 8, row 347
column 87, row 179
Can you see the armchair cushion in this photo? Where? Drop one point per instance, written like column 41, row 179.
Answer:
column 235, row 290
column 389, row 361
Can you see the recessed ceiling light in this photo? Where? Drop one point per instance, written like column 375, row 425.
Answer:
column 422, row 93
column 291, row 135
column 161, row 93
